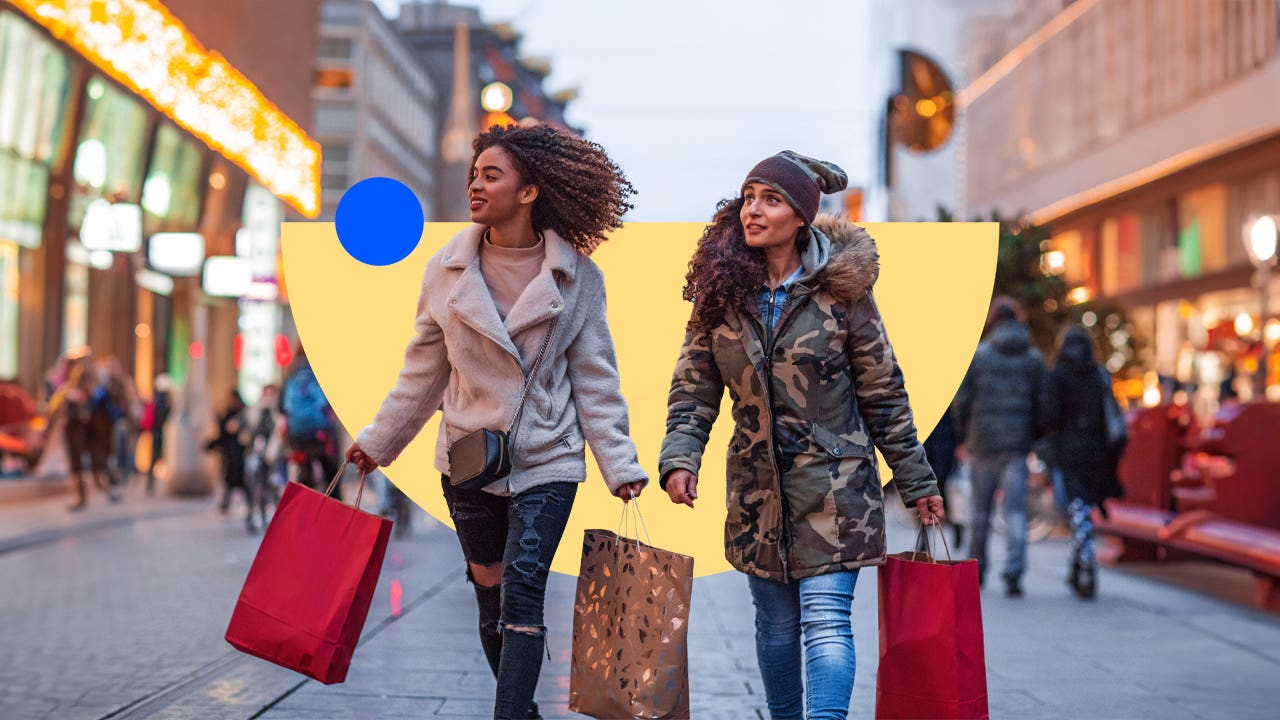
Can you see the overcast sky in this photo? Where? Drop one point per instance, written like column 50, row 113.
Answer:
column 687, row 96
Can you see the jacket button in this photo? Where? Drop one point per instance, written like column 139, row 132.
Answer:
column 835, row 451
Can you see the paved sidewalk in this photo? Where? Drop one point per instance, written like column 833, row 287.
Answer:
column 1142, row 649
column 43, row 518
column 121, row 615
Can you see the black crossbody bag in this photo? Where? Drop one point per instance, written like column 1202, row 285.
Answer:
column 483, row 457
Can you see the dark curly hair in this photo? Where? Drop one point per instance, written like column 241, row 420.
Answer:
column 725, row 273
column 582, row 193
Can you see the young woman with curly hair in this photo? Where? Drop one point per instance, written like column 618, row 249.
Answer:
column 517, row 279
column 783, row 317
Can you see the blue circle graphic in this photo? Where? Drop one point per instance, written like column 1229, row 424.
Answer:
column 379, row 221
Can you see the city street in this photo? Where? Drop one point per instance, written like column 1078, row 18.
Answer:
column 118, row 612
column 225, row 228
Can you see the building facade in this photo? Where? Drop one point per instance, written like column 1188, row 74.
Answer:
column 913, row 184
column 127, row 163
column 1145, row 136
column 463, row 55
column 376, row 106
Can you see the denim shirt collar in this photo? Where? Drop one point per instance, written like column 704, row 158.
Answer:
column 779, row 296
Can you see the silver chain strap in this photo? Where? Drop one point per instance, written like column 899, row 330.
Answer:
column 528, row 383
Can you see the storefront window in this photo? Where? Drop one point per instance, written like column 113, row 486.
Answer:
column 1121, row 255
column 1157, row 237
column 260, row 320
column 1246, row 198
column 1189, row 249
column 8, row 310
column 1202, row 237
column 75, row 323
column 34, row 81
column 171, row 193
column 1071, row 263
column 108, row 161
column 24, row 187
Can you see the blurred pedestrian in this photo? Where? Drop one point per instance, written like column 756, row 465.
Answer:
column 58, row 374
column 997, row 412
column 785, row 319
column 310, row 425
column 262, row 421
column 125, row 412
column 156, row 417
column 1075, row 396
column 230, row 444
column 54, row 460
column 80, row 404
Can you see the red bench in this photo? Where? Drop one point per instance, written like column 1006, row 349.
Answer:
column 17, row 410
column 1155, row 444
column 1221, row 501
column 1242, row 544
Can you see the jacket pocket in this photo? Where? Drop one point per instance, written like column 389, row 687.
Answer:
column 837, row 446
column 548, row 451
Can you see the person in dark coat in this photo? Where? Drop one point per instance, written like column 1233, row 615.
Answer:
column 1074, row 414
column 230, row 443
column 940, row 450
column 161, row 405
column 996, row 410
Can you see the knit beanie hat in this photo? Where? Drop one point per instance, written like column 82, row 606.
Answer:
column 800, row 179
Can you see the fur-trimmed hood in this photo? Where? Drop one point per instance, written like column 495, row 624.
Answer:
column 841, row 258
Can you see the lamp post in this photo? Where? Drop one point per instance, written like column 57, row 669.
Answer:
column 1260, row 242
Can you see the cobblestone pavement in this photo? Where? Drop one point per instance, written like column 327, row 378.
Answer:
column 119, row 612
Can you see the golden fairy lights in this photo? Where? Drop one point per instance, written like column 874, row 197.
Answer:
column 139, row 44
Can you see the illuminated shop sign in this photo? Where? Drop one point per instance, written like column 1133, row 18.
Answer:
column 141, row 45
column 176, row 253
column 227, row 276
column 116, row 227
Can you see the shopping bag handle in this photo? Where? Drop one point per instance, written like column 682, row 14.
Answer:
column 336, row 478
column 626, row 515
column 924, row 534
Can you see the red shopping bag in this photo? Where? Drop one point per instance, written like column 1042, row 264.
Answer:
column 308, row 592
column 932, row 663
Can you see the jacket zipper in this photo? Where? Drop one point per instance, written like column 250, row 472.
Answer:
column 770, row 339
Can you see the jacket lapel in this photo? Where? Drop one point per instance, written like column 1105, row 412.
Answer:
column 470, row 299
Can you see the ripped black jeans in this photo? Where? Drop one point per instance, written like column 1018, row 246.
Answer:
column 522, row 531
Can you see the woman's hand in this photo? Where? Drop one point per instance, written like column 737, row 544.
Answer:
column 357, row 456
column 930, row 509
column 630, row 490
column 682, row 487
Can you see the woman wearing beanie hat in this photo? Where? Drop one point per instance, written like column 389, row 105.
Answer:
column 783, row 316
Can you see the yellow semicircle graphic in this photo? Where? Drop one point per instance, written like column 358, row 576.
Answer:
column 355, row 321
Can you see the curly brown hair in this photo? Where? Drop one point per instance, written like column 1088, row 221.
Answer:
column 725, row 273
column 582, row 193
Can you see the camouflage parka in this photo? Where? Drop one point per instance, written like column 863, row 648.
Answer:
column 804, row 495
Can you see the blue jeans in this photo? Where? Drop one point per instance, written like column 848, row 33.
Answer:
column 1008, row 473
column 818, row 607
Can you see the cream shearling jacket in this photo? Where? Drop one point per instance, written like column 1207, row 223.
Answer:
column 465, row 360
